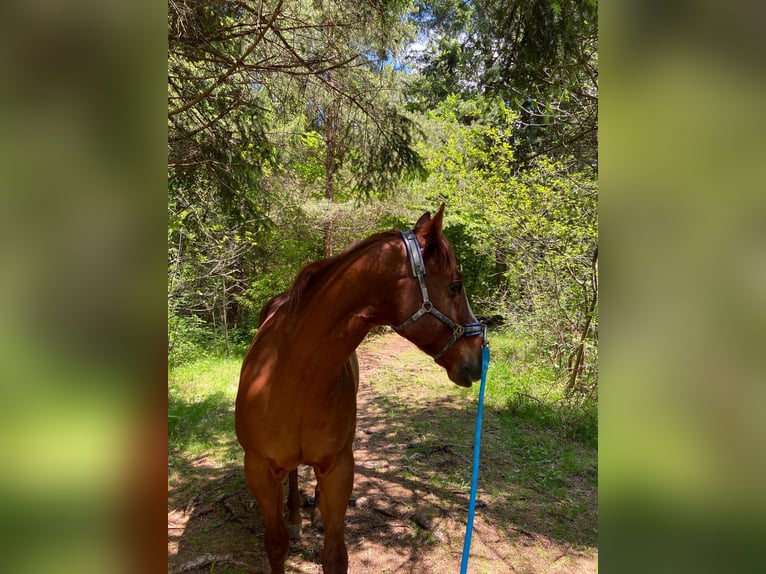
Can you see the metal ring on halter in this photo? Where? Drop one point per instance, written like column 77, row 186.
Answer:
column 417, row 264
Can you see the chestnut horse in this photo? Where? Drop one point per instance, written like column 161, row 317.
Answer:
column 349, row 375
column 296, row 402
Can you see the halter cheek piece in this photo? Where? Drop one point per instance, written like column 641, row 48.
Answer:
column 419, row 271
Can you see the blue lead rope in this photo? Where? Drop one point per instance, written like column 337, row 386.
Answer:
column 476, row 449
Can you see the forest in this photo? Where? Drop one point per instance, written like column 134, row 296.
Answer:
column 297, row 128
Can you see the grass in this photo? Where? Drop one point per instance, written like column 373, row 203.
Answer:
column 539, row 450
column 201, row 398
column 528, row 386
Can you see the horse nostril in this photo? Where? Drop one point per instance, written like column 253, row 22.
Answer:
column 472, row 370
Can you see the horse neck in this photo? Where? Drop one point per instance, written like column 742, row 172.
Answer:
column 355, row 297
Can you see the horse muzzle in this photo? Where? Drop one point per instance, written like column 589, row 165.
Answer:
column 467, row 371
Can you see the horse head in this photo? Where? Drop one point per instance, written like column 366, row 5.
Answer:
column 433, row 306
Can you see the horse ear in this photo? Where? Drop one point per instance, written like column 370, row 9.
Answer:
column 428, row 228
column 424, row 219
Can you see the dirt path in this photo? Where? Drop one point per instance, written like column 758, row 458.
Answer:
column 400, row 520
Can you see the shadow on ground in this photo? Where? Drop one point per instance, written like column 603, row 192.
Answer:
column 410, row 495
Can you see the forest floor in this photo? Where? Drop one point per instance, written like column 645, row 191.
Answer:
column 408, row 510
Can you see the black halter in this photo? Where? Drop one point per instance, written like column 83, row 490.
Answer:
column 419, row 271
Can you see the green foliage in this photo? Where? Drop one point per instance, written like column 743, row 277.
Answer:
column 539, row 56
column 527, row 233
column 270, row 107
column 387, row 158
column 188, row 338
column 285, row 140
column 477, row 264
column 239, row 74
column 524, row 382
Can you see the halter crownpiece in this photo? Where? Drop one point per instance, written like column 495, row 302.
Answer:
column 418, row 267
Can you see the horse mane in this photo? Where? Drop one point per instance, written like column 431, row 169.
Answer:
column 319, row 271
column 316, row 273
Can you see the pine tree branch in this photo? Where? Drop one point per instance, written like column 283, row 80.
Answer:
column 204, row 94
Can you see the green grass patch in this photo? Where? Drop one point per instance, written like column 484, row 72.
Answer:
column 527, row 385
column 550, row 438
column 539, row 447
column 201, row 398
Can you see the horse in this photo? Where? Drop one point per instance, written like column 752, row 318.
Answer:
column 349, row 375
column 296, row 402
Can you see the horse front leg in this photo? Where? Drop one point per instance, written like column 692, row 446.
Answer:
column 268, row 491
column 336, row 484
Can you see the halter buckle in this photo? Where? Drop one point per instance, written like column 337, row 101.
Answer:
column 418, row 267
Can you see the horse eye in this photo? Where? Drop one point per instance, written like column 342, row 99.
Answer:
column 456, row 287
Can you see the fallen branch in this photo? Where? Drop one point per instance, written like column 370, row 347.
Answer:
column 206, row 560
column 525, row 532
column 413, row 517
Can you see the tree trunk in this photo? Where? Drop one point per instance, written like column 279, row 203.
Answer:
column 330, row 163
column 224, row 318
column 329, row 184
column 579, row 354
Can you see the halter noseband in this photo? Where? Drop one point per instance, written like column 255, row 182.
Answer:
column 419, row 271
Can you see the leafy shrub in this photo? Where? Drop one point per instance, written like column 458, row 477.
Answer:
column 189, row 338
